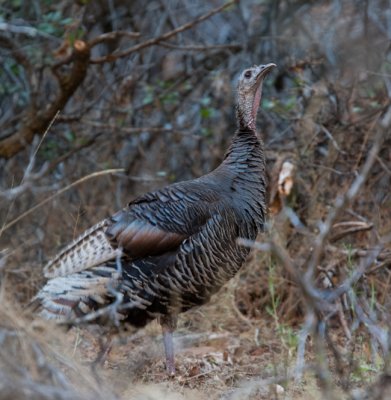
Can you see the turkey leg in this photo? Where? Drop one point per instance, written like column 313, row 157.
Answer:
column 168, row 323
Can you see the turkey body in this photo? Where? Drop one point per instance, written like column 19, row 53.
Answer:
column 175, row 247
column 171, row 249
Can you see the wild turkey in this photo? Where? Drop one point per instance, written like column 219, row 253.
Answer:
column 171, row 249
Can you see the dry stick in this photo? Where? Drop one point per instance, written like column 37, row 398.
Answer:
column 104, row 37
column 315, row 300
column 356, row 275
column 100, row 312
column 34, row 122
column 27, row 173
column 166, row 36
column 93, row 139
column 383, row 165
column 308, row 325
column 15, row 51
column 342, row 319
column 250, row 387
column 81, row 56
column 342, row 201
column 353, row 227
column 125, row 129
column 306, row 283
column 380, row 334
column 232, row 46
column 43, row 137
column 242, row 317
column 73, row 151
column 384, row 255
column 331, row 137
column 61, row 191
column 309, row 291
column 25, row 30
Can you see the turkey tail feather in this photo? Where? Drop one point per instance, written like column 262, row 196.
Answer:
column 89, row 249
column 77, row 294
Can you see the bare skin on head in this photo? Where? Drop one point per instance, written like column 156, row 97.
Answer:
column 249, row 94
column 177, row 245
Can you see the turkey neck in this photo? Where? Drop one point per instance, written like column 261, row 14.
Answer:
column 246, row 155
column 246, row 162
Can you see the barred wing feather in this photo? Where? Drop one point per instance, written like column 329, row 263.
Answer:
column 89, row 249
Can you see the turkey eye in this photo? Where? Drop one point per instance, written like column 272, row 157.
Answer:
column 247, row 74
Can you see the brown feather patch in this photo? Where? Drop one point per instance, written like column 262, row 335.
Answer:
column 139, row 239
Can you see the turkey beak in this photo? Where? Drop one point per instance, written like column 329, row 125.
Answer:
column 264, row 70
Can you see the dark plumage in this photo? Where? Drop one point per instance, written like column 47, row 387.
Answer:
column 176, row 246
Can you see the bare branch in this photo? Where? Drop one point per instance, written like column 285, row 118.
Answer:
column 36, row 121
column 342, row 201
column 24, row 30
column 29, row 178
column 61, row 191
column 105, row 37
column 350, row 227
column 232, row 46
column 114, row 56
column 16, row 52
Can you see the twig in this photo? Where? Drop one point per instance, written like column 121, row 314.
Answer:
column 250, row 387
column 242, row 317
column 306, row 330
column 233, row 46
column 73, row 151
column 354, row 278
column 189, row 378
column 112, row 36
column 125, row 129
column 61, row 191
column 342, row 320
column 353, row 227
column 35, row 122
column 26, row 184
column 114, row 56
column 340, row 204
column 333, row 141
column 17, row 53
column 28, row 177
column 383, row 165
column 380, row 334
column 24, row 30
column 114, row 290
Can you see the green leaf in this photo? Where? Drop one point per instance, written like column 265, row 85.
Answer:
column 206, row 112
